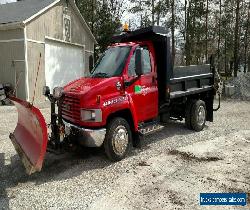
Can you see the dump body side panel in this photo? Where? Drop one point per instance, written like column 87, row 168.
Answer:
column 188, row 80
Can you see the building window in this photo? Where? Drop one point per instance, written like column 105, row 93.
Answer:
column 67, row 28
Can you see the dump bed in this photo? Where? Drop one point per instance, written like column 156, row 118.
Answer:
column 181, row 80
column 187, row 80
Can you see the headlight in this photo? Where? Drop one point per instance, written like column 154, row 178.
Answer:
column 57, row 92
column 93, row 115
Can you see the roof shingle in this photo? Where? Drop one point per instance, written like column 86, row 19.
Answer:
column 22, row 10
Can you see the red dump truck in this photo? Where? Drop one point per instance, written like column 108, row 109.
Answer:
column 132, row 91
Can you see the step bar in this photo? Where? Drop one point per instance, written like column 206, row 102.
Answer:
column 149, row 128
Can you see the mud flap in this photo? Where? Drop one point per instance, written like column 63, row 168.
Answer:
column 30, row 136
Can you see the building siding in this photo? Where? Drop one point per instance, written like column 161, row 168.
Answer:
column 33, row 55
column 11, row 34
column 48, row 24
column 12, row 68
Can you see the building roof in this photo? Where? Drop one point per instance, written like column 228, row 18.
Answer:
column 22, row 10
column 19, row 13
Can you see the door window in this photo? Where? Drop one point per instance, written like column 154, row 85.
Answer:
column 147, row 63
column 131, row 66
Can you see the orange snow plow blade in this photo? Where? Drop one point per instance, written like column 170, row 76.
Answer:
column 30, row 136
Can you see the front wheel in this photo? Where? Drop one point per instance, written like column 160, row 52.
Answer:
column 118, row 139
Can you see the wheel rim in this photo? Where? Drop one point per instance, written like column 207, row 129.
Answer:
column 120, row 140
column 201, row 117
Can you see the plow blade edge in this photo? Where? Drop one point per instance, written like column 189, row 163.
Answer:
column 30, row 136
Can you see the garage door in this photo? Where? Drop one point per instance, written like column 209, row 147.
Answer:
column 63, row 63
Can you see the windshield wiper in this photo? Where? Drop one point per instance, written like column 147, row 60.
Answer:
column 101, row 75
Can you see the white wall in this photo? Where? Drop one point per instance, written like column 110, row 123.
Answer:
column 7, row 1
column 63, row 63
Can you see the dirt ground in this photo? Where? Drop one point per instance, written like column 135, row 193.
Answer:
column 170, row 171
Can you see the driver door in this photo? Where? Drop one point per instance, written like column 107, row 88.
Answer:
column 144, row 91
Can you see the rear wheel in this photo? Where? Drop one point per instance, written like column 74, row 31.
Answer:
column 118, row 139
column 188, row 111
column 198, row 115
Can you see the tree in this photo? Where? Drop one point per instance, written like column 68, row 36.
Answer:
column 207, row 11
column 103, row 17
column 219, row 35
column 173, row 30
column 236, row 39
column 247, row 39
column 198, row 28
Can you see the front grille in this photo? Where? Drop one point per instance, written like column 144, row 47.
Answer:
column 71, row 108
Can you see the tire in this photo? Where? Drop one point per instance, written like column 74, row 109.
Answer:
column 118, row 139
column 137, row 140
column 198, row 115
column 188, row 114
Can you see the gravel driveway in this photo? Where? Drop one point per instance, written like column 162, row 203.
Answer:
column 169, row 172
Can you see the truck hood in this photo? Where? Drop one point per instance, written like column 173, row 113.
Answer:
column 84, row 85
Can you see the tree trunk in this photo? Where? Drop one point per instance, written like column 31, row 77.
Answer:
column 246, row 39
column 158, row 18
column 248, row 67
column 92, row 16
column 226, row 66
column 188, row 34
column 173, row 31
column 194, row 35
column 153, row 12
column 207, row 32
column 219, row 37
column 236, row 39
column 185, row 8
column 141, row 21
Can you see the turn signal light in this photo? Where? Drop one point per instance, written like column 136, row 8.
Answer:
column 98, row 99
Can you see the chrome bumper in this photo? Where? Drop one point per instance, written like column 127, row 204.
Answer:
column 88, row 137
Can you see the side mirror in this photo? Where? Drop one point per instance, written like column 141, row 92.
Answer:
column 91, row 63
column 139, row 62
column 46, row 91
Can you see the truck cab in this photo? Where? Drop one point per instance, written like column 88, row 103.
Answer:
column 115, row 85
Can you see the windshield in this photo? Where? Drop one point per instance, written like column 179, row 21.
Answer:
column 112, row 62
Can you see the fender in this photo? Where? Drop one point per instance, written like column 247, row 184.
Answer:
column 125, row 105
column 132, row 109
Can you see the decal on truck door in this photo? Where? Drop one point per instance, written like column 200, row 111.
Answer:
column 142, row 90
column 137, row 89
